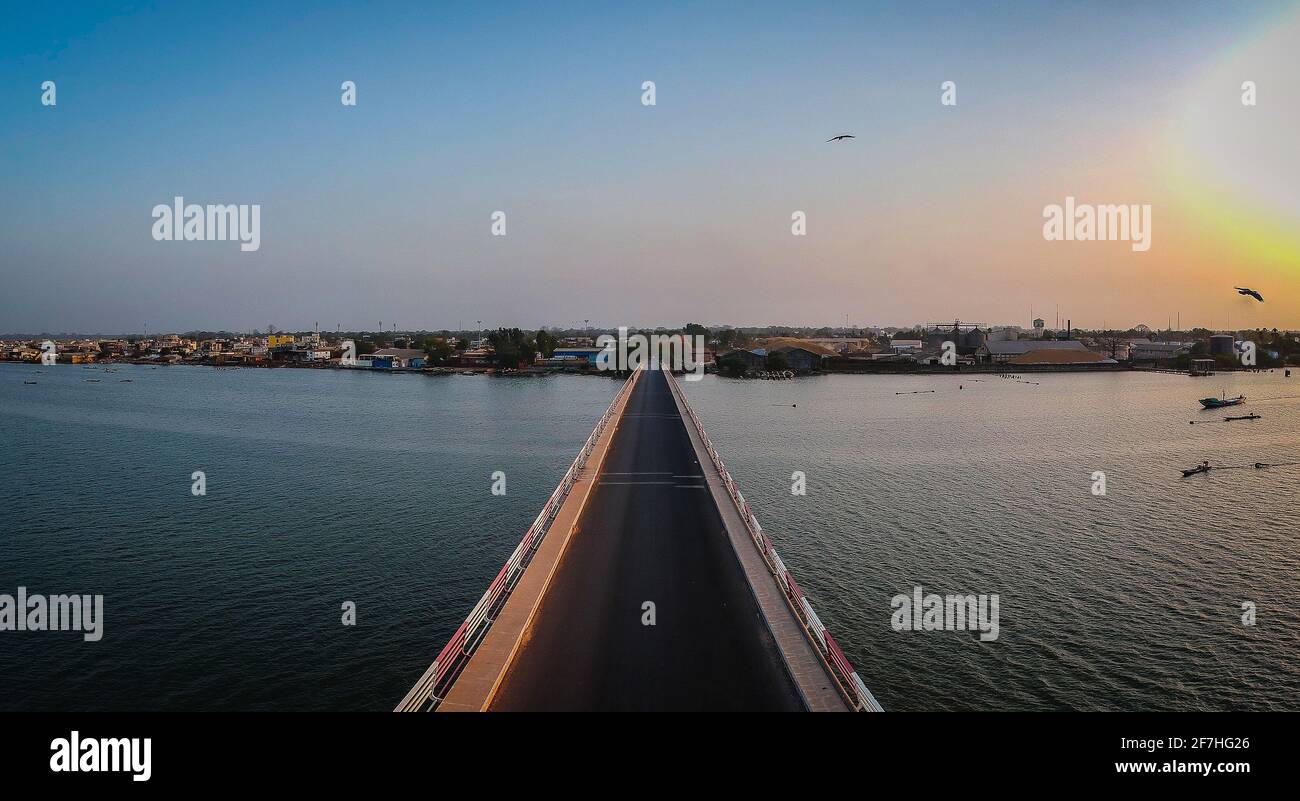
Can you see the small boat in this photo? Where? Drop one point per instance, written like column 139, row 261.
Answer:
column 126, row 381
column 28, row 381
column 91, row 380
column 1219, row 403
column 1204, row 467
column 1251, row 416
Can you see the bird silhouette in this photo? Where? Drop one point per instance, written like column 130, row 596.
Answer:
column 1241, row 290
column 841, row 136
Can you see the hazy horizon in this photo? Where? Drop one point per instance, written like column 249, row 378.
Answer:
column 627, row 214
column 593, row 327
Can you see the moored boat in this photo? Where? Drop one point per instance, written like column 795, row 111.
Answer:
column 1219, row 403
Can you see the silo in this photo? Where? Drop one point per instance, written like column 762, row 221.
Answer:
column 1222, row 345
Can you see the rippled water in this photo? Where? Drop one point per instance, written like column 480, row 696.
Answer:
column 322, row 487
column 1128, row 601
column 327, row 486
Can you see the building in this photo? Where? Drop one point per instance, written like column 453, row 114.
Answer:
column 967, row 337
column 801, row 355
column 1062, row 357
column 397, row 359
column 1222, row 345
column 799, row 359
column 934, row 358
column 575, row 355
column 1144, row 351
column 476, row 357
column 837, row 344
column 1001, row 352
column 752, row 359
column 1004, row 334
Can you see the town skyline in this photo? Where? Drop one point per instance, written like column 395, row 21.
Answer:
column 1051, row 324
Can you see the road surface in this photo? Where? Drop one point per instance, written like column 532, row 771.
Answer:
column 650, row 533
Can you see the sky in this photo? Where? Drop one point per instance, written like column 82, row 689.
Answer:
column 629, row 214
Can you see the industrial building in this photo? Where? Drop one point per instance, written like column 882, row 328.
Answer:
column 1144, row 351
column 1000, row 352
column 967, row 337
column 1222, row 345
column 397, row 359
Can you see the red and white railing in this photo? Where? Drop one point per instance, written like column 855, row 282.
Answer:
column 850, row 683
column 432, row 687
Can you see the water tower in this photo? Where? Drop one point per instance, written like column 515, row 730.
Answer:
column 1222, row 344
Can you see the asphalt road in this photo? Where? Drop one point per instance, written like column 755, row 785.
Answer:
column 650, row 533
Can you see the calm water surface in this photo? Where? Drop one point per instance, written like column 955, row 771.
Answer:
column 322, row 487
column 1128, row 601
column 327, row 486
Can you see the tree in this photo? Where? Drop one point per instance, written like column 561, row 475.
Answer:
column 1113, row 342
column 513, row 347
column 438, row 350
column 546, row 343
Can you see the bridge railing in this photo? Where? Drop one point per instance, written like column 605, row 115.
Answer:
column 850, row 683
column 433, row 685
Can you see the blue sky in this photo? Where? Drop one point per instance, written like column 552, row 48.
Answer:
column 617, row 213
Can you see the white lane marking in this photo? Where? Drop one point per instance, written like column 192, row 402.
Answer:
column 651, row 484
column 638, row 473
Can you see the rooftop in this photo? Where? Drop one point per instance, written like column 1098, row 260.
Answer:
column 400, row 353
column 1016, row 347
column 1061, row 356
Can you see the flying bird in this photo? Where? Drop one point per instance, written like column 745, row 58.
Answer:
column 841, row 136
column 1241, row 290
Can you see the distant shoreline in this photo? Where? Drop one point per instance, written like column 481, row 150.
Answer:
column 915, row 370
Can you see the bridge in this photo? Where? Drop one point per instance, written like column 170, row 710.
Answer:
column 646, row 583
